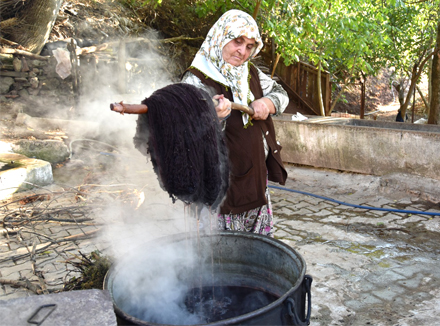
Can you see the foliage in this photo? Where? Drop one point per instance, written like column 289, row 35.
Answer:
column 364, row 34
column 412, row 30
column 411, row 27
column 351, row 39
column 340, row 34
column 175, row 18
column 412, row 33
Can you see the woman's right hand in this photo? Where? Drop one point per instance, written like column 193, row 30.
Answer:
column 223, row 107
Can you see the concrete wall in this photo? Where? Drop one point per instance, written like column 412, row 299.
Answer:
column 369, row 147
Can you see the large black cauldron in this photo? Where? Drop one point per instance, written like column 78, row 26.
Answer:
column 228, row 278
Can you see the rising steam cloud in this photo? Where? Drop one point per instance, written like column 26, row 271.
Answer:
column 128, row 228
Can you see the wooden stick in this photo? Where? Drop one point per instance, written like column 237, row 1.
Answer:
column 80, row 236
column 129, row 108
column 91, row 49
column 239, row 107
column 142, row 108
column 244, row 108
column 275, row 65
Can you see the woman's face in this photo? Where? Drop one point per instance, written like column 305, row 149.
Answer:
column 237, row 51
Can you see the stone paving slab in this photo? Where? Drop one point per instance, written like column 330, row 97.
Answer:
column 87, row 307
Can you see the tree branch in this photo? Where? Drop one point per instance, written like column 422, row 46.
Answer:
column 24, row 284
column 256, row 9
column 417, row 72
column 343, row 87
column 10, row 43
column 423, row 98
column 24, row 53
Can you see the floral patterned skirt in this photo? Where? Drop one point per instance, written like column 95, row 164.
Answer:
column 258, row 220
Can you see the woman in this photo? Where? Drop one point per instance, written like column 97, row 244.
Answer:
column 222, row 67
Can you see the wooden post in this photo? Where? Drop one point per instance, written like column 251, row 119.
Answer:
column 272, row 52
column 362, row 113
column 275, row 65
column 121, row 68
column 303, row 83
column 288, row 77
column 75, row 73
column 310, row 86
column 327, row 94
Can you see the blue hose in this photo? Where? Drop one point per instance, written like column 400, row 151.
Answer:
column 357, row 206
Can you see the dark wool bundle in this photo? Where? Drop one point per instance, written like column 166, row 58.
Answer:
column 183, row 136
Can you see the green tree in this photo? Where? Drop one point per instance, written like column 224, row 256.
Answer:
column 412, row 28
column 352, row 39
column 339, row 36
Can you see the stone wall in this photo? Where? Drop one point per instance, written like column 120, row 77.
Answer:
column 58, row 83
column 33, row 86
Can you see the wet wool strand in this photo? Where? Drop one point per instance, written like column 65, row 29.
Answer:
column 182, row 135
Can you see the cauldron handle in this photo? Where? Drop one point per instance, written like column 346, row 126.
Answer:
column 306, row 285
column 33, row 319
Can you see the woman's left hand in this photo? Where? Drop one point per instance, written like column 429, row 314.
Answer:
column 223, row 107
column 262, row 108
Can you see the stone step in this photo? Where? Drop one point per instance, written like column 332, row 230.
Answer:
column 21, row 173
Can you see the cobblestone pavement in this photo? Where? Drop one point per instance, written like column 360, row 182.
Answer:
column 369, row 267
column 40, row 238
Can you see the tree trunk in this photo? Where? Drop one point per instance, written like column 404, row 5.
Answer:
column 35, row 23
column 412, row 86
column 321, row 103
column 256, row 9
column 434, row 110
column 429, row 86
column 399, row 86
column 423, row 98
column 415, row 75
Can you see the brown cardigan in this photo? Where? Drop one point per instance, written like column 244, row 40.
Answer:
column 248, row 168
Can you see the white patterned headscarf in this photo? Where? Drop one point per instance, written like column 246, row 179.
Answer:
column 209, row 59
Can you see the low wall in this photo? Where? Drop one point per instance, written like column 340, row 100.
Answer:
column 33, row 86
column 363, row 146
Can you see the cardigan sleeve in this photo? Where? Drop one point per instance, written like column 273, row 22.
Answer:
column 274, row 91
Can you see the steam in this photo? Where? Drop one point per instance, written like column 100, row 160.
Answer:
column 157, row 294
column 154, row 292
column 184, row 280
column 92, row 121
column 144, row 74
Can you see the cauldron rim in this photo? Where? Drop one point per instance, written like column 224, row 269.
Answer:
column 277, row 243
